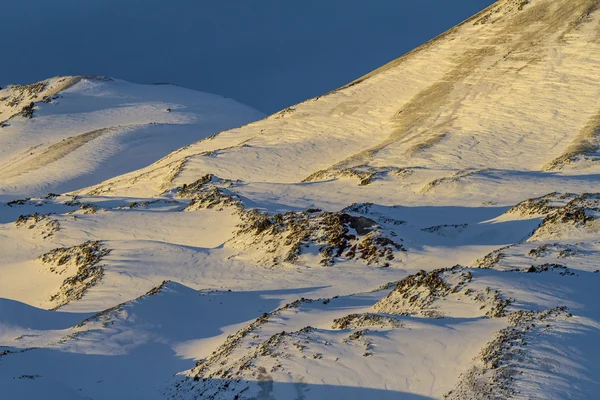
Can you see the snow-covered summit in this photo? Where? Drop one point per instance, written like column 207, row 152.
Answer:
column 510, row 92
column 67, row 132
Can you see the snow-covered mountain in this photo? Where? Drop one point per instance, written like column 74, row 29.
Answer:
column 68, row 132
column 427, row 231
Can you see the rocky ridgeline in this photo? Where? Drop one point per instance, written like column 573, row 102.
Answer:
column 43, row 223
column 243, row 364
column 241, row 367
column 244, row 377
column 24, row 93
column 336, row 236
column 560, row 208
column 455, row 177
column 563, row 270
column 21, row 99
column 365, row 174
column 144, row 204
column 52, row 198
column 501, row 360
column 556, row 250
column 284, row 237
column 542, row 205
column 209, row 192
column 380, row 214
column 371, row 320
column 420, row 293
column 81, row 265
column 579, row 212
column 563, row 214
column 523, row 258
column 232, row 360
column 22, row 202
column 84, row 208
column 446, row 230
column 492, row 259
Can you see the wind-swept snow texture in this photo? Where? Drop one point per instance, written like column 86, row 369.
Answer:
column 67, row 132
column 428, row 231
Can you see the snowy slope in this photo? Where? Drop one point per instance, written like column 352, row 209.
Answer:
column 83, row 130
column 427, row 231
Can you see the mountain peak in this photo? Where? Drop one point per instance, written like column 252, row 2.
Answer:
column 429, row 230
column 67, row 132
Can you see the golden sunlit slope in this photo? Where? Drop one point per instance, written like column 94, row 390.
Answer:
column 512, row 89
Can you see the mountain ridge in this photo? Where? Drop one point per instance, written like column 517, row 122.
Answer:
column 91, row 121
column 427, row 231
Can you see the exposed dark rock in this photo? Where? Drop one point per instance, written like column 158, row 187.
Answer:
column 47, row 225
column 417, row 294
column 338, row 236
column 354, row 321
column 498, row 363
column 86, row 258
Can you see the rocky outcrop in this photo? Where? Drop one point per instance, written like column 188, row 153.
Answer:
column 335, row 236
column 43, row 223
column 419, row 294
column 209, row 192
column 81, row 265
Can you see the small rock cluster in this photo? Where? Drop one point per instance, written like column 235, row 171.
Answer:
column 561, row 250
column 457, row 176
column 85, row 258
column 208, row 192
column 27, row 111
column 579, row 212
column 492, row 259
column 84, row 208
column 20, row 93
column 355, row 321
column 365, row 174
column 361, row 337
column 550, row 267
column 18, row 202
column 417, row 294
column 541, row 205
column 43, row 222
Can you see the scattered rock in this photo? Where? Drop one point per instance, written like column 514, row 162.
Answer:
column 82, row 261
column 209, row 192
column 457, row 176
column 417, row 294
column 355, row 321
column 43, row 222
column 498, row 364
column 365, row 174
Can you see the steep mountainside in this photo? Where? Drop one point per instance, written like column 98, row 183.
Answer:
column 427, row 231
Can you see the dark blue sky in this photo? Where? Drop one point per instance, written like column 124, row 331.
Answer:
column 266, row 53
